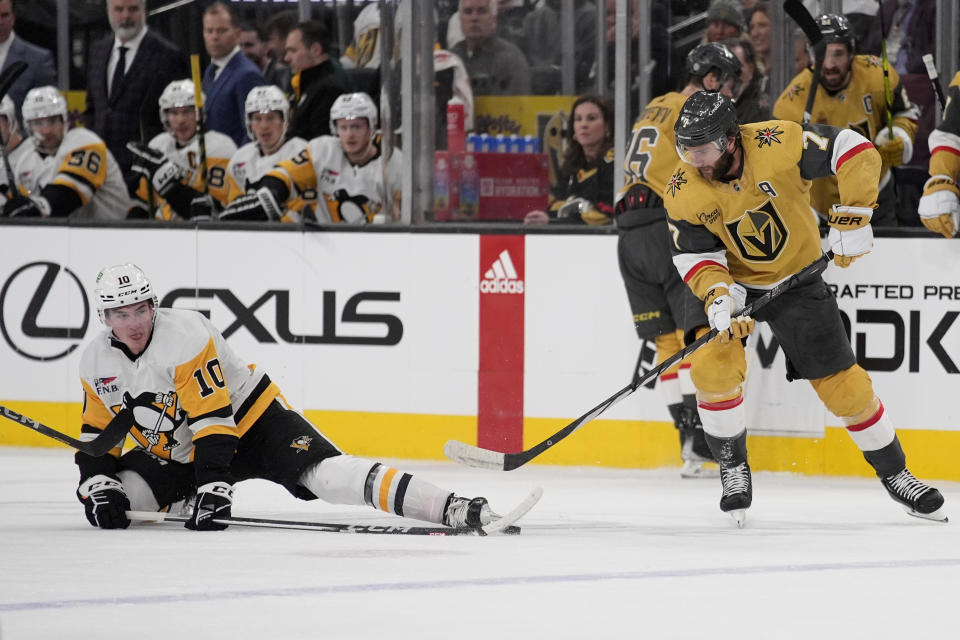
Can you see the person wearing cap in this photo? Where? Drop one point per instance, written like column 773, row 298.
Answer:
column 724, row 20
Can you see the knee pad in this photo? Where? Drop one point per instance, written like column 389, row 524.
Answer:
column 138, row 491
column 717, row 368
column 848, row 393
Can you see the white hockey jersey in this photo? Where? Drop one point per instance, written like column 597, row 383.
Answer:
column 248, row 165
column 83, row 164
column 345, row 193
column 220, row 148
column 188, row 379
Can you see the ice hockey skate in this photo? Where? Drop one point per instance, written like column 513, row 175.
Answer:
column 918, row 499
column 697, row 460
column 737, row 491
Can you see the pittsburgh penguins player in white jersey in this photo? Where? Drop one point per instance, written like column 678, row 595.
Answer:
column 15, row 144
column 203, row 419
column 740, row 225
column 346, row 170
column 67, row 171
column 267, row 114
column 171, row 161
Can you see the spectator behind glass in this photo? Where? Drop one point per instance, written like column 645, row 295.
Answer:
column 584, row 190
column 230, row 76
column 801, row 55
column 316, row 82
column 752, row 102
column 40, row 70
column 122, row 104
column 495, row 66
column 253, row 44
column 541, row 29
column 724, row 20
column 275, row 31
column 760, row 34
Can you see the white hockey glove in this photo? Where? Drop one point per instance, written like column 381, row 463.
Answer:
column 722, row 304
column 24, row 207
column 851, row 235
column 154, row 166
column 939, row 206
column 105, row 502
column 214, row 501
column 259, row 205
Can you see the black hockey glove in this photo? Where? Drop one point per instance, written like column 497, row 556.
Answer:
column 154, row 166
column 105, row 502
column 258, row 205
column 204, row 207
column 23, row 207
column 214, row 501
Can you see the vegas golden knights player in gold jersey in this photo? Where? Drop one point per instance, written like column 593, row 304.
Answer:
column 737, row 211
column 656, row 294
column 939, row 206
column 851, row 95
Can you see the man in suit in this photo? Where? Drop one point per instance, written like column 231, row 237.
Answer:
column 230, row 76
column 125, row 77
column 40, row 71
column 318, row 80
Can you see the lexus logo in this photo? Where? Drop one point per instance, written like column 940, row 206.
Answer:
column 37, row 293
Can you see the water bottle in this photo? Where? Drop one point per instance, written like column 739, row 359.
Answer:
column 475, row 142
column 455, row 126
column 533, row 144
column 502, row 143
column 518, row 144
column 469, row 187
column 441, row 187
column 490, row 143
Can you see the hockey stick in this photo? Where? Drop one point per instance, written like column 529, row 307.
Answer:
column 7, row 78
column 474, row 456
column 885, row 65
column 800, row 15
column 99, row 446
column 503, row 526
column 201, row 129
column 934, row 79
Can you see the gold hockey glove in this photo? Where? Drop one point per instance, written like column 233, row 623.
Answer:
column 939, row 207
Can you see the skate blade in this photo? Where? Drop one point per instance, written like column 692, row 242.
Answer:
column 936, row 516
column 739, row 516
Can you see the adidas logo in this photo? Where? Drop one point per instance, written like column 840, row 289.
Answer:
column 502, row 276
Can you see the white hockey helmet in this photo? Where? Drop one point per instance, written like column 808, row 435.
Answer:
column 353, row 105
column 8, row 111
column 264, row 99
column 43, row 102
column 178, row 93
column 121, row 285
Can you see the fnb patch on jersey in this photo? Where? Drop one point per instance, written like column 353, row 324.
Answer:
column 105, row 385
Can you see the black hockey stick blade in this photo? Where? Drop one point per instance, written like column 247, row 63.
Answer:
column 474, row 456
column 96, row 447
column 934, row 78
column 10, row 75
column 800, row 15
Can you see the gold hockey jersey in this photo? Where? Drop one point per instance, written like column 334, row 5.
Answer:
column 82, row 164
column 945, row 139
column 651, row 154
column 757, row 229
column 860, row 106
column 188, row 380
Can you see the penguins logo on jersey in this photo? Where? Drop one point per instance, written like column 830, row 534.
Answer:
column 759, row 234
column 351, row 209
column 301, row 443
column 156, row 417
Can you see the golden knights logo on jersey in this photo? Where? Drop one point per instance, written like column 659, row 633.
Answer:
column 157, row 416
column 759, row 234
column 767, row 136
column 676, row 180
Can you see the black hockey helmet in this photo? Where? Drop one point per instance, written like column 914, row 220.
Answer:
column 836, row 28
column 706, row 116
column 713, row 56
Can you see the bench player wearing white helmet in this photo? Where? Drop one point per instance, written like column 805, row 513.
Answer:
column 14, row 143
column 346, row 170
column 267, row 114
column 171, row 160
column 202, row 419
column 68, row 171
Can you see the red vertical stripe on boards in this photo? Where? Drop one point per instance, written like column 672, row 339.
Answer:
column 500, row 375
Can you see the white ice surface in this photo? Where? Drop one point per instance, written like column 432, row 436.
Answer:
column 606, row 553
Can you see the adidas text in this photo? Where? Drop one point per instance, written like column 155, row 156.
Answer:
column 501, row 285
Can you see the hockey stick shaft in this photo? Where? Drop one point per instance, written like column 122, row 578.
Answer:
column 485, row 458
column 934, row 79
column 328, row 527
column 800, row 15
column 201, row 125
column 885, row 65
column 96, row 447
